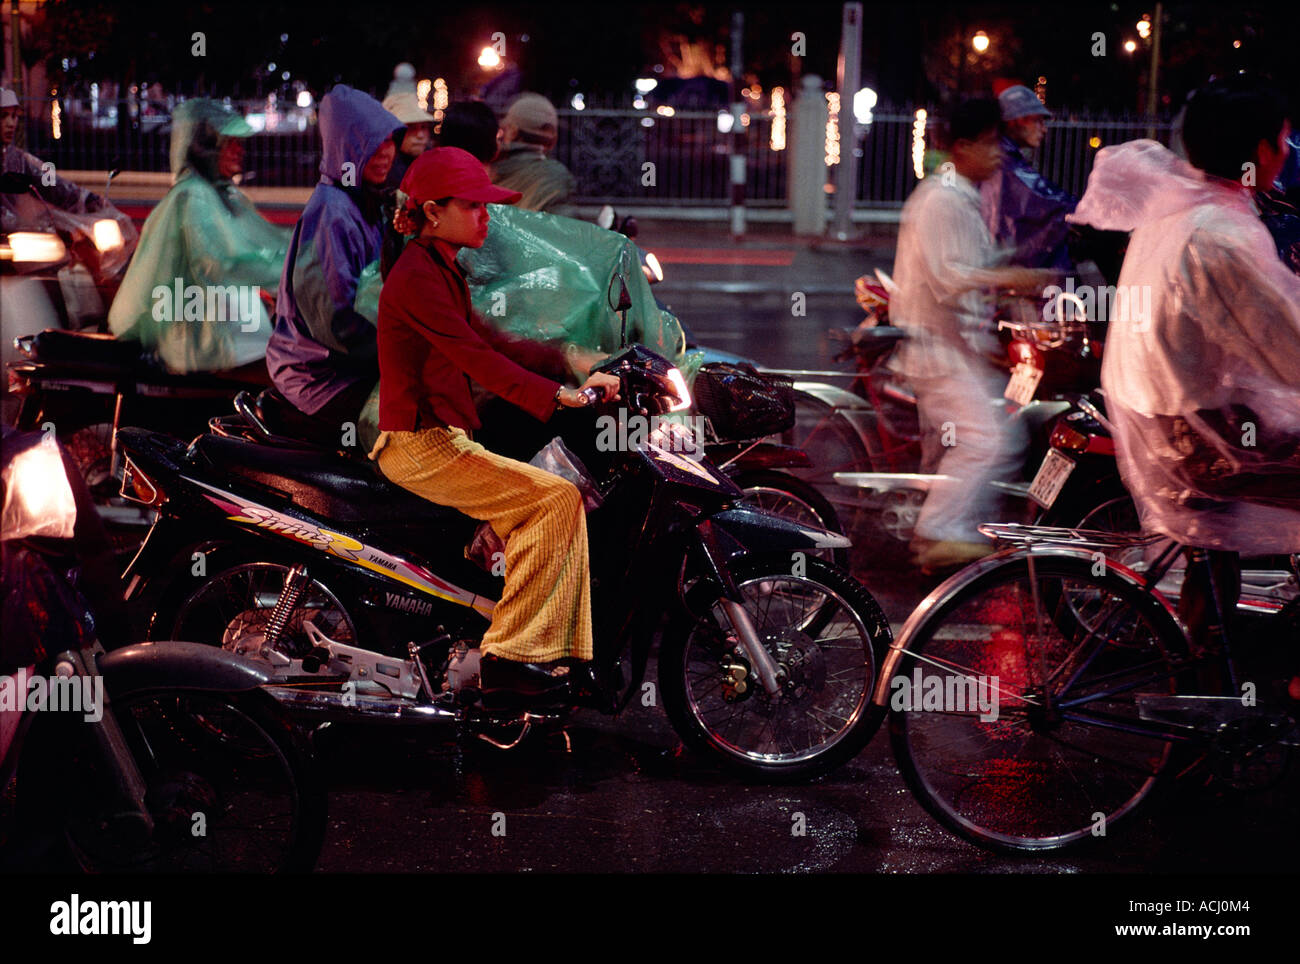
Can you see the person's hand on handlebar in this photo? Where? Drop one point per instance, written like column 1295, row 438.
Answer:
column 606, row 386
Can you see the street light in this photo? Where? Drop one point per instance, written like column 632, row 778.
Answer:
column 489, row 59
column 1144, row 27
column 864, row 101
column 980, row 41
column 1130, row 46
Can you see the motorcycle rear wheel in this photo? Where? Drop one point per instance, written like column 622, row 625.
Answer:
column 823, row 629
column 232, row 609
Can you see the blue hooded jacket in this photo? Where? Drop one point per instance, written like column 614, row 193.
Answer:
column 1026, row 211
column 321, row 345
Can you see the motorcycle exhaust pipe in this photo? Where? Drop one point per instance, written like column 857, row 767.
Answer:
column 347, row 706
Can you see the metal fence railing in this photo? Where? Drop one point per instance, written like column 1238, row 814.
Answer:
column 619, row 155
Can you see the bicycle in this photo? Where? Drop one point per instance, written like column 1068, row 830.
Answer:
column 1043, row 693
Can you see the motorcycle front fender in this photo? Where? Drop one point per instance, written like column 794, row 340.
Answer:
column 741, row 456
column 177, row 665
column 759, row 531
column 1039, row 413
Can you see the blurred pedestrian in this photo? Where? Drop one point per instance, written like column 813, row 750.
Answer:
column 943, row 269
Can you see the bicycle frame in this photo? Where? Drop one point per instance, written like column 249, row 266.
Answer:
column 1034, row 543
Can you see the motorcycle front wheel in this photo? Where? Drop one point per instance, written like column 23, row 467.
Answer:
column 826, row 635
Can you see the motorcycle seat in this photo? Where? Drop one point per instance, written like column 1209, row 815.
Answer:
column 85, row 347
column 55, row 353
column 283, row 418
column 328, row 485
column 871, row 343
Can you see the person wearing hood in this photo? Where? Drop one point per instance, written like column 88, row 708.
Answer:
column 323, row 354
column 1025, row 211
column 416, row 139
column 528, row 133
column 192, row 291
column 1202, row 380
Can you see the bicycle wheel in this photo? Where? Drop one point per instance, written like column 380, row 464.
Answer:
column 1022, row 730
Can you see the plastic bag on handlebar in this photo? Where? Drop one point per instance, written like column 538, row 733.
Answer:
column 555, row 458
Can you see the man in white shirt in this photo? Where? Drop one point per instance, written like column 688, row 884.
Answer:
column 945, row 269
column 1205, row 391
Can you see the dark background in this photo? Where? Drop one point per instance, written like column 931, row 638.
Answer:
column 913, row 52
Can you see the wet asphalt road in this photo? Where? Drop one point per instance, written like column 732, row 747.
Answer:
column 628, row 798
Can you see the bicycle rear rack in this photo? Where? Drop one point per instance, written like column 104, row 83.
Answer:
column 1022, row 535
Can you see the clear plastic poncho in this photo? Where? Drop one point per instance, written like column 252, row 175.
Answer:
column 1202, row 368
column 193, row 290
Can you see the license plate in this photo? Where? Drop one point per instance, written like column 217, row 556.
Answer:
column 1023, row 384
column 1049, row 481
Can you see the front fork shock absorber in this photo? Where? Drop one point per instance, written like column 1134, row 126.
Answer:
column 294, row 583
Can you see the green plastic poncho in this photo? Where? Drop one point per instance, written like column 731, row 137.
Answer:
column 546, row 277
column 193, row 291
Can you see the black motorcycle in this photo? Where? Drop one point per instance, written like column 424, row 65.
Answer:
column 361, row 596
column 160, row 757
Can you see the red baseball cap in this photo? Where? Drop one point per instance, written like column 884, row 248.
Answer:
column 452, row 172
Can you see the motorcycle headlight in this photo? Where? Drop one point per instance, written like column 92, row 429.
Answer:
column 33, row 247
column 108, row 236
column 37, row 497
column 654, row 271
column 679, row 388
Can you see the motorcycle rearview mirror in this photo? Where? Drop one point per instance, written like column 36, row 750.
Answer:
column 605, row 218
column 114, row 169
column 623, row 304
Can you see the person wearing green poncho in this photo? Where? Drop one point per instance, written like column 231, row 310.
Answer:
column 193, row 291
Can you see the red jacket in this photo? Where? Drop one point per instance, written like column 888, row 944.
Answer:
column 431, row 344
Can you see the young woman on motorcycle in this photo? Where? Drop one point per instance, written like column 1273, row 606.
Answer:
column 430, row 345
